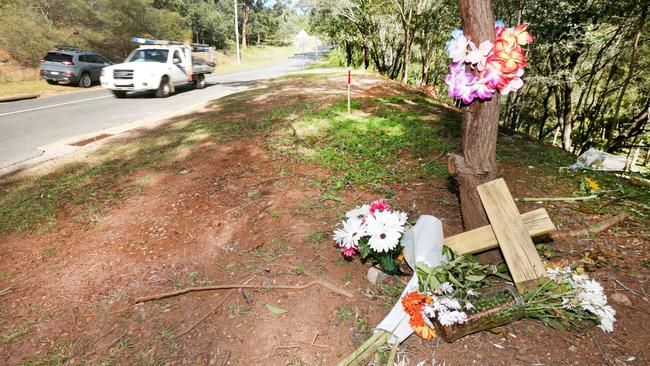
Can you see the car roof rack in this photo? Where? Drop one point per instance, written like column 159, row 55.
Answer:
column 61, row 47
column 160, row 42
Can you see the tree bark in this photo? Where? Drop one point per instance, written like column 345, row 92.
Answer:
column 366, row 59
column 477, row 164
column 244, row 23
column 408, row 40
column 348, row 53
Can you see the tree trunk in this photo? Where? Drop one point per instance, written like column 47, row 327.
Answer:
column 425, row 73
column 408, row 39
column 630, row 72
column 244, row 23
column 542, row 123
column 366, row 58
column 477, row 164
column 348, row 53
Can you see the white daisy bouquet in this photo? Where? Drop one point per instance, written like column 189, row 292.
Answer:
column 373, row 231
column 568, row 299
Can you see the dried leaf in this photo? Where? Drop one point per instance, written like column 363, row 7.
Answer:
column 275, row 309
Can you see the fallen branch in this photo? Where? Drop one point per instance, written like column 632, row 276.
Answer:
column 633, row 291
column 568, row 199
column 214, row 310
column 6, row 291
column 592, row 230
column 319, row 281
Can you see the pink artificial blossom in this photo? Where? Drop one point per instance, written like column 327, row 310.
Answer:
column 460, row 83
column 482, row 91
column 491, row 76
column 348, row 252
column 380, row 205
column 478, row 55
column 515, row 84
column 458, row 48
column 498, row 66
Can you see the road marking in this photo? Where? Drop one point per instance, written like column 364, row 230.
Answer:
column 52, row 106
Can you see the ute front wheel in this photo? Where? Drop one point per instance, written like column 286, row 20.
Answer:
column 164, row 89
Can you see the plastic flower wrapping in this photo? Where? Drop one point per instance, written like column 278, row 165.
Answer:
column 372, row 231
column 498, row 66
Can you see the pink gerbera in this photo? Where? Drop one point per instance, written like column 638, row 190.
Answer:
column 348, row 252
column 379, row 205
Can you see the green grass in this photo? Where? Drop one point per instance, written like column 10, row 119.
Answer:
column 316, row 237
column 48, row 252
column 253, row 56
column 88, row 188
column 388, row 140
column 344, row 313
column 372, row 150
column 272, row 250
column 18, row 332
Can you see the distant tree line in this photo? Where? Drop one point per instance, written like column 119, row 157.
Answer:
column 29, row 28
column 588, row 80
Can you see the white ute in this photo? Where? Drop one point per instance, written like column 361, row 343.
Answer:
column 158, row 66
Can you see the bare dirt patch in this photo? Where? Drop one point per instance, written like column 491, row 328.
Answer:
column 225, row 210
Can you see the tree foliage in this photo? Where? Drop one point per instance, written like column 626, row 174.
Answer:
column 32, row 27
column 588, row 83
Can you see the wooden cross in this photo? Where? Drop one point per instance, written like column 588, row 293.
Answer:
column 509, row 231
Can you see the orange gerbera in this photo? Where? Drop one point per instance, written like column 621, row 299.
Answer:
column 425, row 332
column 413, row 302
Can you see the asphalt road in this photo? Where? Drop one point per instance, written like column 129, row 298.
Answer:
column 29, row 124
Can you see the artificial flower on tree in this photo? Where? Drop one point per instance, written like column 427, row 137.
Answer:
column 374, row 232
column 498, row 66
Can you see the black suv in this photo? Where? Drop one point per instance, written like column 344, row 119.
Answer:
column 72, row 65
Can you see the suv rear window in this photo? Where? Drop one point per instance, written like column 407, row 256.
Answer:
column 57, row 57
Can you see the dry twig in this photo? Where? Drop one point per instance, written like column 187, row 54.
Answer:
column 633, row 291
column 600, row 350
column 318, row 281
column 116, row 340
column 223, row 300
column 565, row 199
column 592, row 230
